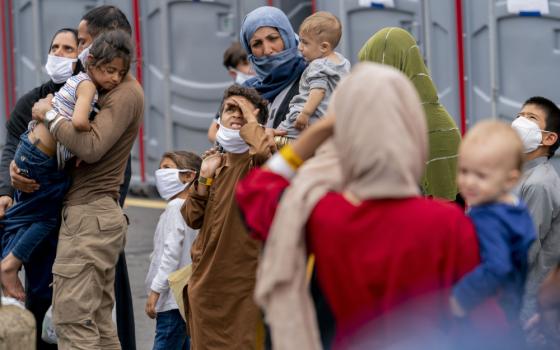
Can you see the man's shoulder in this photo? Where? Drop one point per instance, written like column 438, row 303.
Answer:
column 129, row 88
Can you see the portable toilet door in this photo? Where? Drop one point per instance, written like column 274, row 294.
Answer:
column 432, row 23
column 511, row 56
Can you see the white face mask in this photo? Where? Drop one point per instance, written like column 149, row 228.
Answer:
column 241, row 77
column 59, row 68
column 84, row 54
column 529, row 132
column 231, row 141
column 168, row 182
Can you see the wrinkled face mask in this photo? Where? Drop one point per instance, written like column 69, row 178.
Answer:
column 530, row 133
column 60, row 68
column 231, row 141
column 168, row 182
column 83, row 55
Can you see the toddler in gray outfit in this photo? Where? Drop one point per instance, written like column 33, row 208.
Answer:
column 319, row 35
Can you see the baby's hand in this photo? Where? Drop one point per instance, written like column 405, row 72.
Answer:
column 456, row 308
column 302, row 121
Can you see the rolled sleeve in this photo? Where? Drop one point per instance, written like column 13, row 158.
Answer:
column 317, row 77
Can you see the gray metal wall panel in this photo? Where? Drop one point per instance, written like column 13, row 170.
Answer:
column 441, row 52
column 183, row 84
column 521, row 55
column 360, row 23
column 296, row 10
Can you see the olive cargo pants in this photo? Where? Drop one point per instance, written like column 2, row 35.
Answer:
column 91, row 237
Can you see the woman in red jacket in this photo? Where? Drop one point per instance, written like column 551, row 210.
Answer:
column 386, row 258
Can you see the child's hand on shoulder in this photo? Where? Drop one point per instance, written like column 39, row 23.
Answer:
column 302, row 121
column 151, row 304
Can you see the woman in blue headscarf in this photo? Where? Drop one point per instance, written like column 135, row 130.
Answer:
column 272, row 47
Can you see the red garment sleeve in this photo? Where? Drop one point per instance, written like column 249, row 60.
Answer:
column 258, row 195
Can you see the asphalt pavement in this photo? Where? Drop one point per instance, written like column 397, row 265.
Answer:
column 144, row 215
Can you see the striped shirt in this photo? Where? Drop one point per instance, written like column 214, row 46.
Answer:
column 64, row 102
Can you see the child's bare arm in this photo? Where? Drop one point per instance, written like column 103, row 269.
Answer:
column 84, row 97
column 316, row 96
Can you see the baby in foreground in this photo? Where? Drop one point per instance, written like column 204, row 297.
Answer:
column 490, row 165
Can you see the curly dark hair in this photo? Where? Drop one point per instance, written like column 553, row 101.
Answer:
column 110, row 45
column 250, row 94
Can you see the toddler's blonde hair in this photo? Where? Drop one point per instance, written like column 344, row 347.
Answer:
column 324, row 26
column 498, row 138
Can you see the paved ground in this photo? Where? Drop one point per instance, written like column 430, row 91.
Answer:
column 143, row 215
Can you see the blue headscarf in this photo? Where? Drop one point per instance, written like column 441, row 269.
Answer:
column 276, row 72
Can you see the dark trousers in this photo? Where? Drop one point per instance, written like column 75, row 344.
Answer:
column 123, row 294
column 38, row 277
column 171, row 331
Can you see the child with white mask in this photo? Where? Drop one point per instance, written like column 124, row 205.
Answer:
column 236, row 63
column 239, row 69
column 172, row 247
column 220, row 290
column 538, row 124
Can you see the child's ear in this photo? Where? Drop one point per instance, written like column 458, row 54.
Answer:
column 549, row 138
column 325, row 47
column 187, row 176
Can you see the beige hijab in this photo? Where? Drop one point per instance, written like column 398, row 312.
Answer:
column 378, row 151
